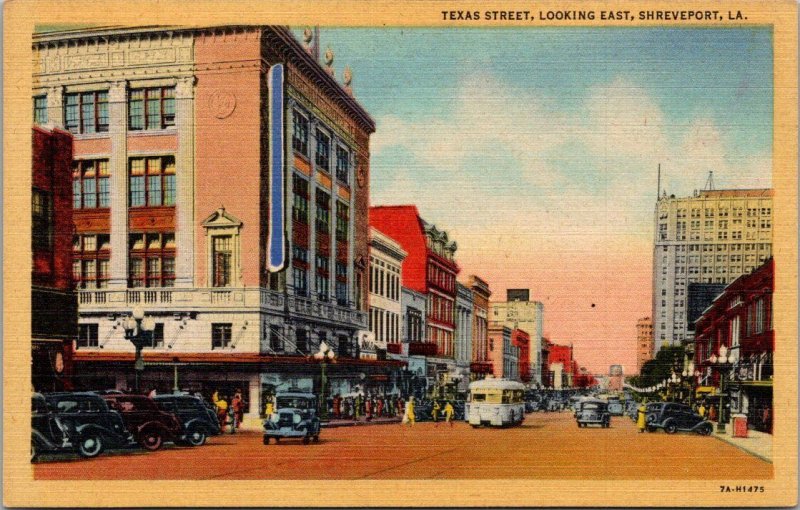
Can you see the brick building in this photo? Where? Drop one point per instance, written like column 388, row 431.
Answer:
column 741, row 320
column 644, row 342
column 480, row 365
column 522, row 341
column 221, row 183
column 54, row 304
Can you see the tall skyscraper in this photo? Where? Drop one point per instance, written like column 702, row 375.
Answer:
column 711, row 237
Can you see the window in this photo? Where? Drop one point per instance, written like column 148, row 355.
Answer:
column 152, row 181
column 42, row 220
column 341, row 283
column 222, row 260
column 300, row 201
column 40, row 110
column 90, row 260
column 301, row 340
column 300, row 254
column 152, row 108
column 275, row 338
column 323, row 151
column 300, row 133
column 342, row 221
column 300, row 280
column 220, row 335
column 87, row 335
column 90, row 184
column 323, row 223
column 86, row 112
column 342, row 164
column 151, row 259
column 322, row 277
column 158, row 336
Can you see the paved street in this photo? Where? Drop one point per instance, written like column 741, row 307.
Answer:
column 546, row 446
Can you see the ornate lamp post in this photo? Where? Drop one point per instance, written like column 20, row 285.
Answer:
column 324, row 355
column 723, row 362
column 139, row 330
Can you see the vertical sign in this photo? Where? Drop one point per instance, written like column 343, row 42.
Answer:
column 276, row 238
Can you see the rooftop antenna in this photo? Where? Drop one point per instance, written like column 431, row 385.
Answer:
column 710, row 181
column 658, row 190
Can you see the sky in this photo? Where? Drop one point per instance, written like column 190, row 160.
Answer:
column 537, row 151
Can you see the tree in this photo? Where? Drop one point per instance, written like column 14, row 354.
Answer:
column 667, row 360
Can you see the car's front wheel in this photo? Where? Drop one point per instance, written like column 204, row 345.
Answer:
column 197, row 436
column 151, row 440
column 670, row 428
column 90, row 445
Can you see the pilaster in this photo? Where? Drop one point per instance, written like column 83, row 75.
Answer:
column 184, row 163
column 55, row 107
column 118, row 163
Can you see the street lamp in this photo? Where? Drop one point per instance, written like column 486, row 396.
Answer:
column 724, row 363
column 324, row 354
column 139, row 330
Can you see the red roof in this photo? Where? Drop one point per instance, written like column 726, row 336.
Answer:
column 403, row 224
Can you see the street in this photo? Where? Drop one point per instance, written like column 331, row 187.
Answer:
column 546, row 446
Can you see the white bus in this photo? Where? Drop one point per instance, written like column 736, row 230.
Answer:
column 495, row 402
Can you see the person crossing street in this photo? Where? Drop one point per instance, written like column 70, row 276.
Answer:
column 448, row 413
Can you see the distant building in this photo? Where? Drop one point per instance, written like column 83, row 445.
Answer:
column 54, row 303
column 714, row 236
column 385, row 310
column 616, row 377
column 503, row 354
column 480, row 365
column 526, row 315
column 741, row 320
column 561, row 364
column 644, row 342
column 464, row 332
column 521, row 340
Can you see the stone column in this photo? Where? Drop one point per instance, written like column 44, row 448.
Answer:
column 55, row 107
column 184, row 171
column 312, row 206
column 288, row 193
column 118, row 165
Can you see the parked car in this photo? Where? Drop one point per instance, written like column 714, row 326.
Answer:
column 674, row 417
column 592, row 411
column 70, row 422
column 197, row 420
column 295, row 417
column 150, row 426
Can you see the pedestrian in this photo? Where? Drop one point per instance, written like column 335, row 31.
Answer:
column 269, row 408
column 702, row 410
column 766, row 419
column 368, row 408
column 435, row 413
column 641, row 423
column 448, row 413
column 237, row 408
column 410, row 417
column 222, row 410
column 232, row 418
column 712, row 413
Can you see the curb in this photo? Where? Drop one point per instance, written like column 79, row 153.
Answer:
column 725, row 439
column 357, row 424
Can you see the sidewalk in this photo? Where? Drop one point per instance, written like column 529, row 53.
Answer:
column 756, row 443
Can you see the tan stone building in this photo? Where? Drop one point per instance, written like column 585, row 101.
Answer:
column 712, row 237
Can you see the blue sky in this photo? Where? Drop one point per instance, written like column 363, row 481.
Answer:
column 537, row 149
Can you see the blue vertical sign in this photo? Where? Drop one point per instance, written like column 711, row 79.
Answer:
column 276, row 237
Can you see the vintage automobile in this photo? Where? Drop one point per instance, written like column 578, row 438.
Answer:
column 674, row 417
column 295, row 417
column 149, row 425
column 197, row 420
column 592, row 411
column 69, row 422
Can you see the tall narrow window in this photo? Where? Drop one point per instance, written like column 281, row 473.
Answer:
column 342, row 164
column 342, row 221
column 152, row 108
column 323, row 151
column 42, row 220
column 301, row 341
column 40, row 110
column 300, row 133
column 322, row 277
column 323, row 220
column 300, row 199
column 87, row 335
column 341, row 283
column 222, row 259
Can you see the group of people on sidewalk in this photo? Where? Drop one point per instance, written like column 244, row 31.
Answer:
column 229, row 413
column 354, row 407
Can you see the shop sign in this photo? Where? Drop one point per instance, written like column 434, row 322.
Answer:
column 368, row 346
